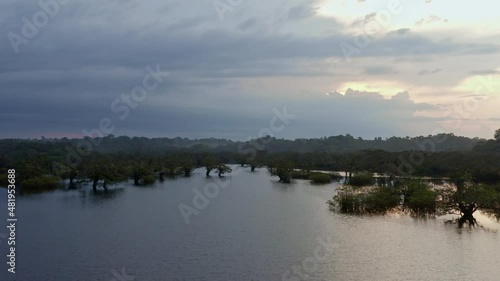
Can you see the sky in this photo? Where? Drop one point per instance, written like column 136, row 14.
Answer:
column 233, row 68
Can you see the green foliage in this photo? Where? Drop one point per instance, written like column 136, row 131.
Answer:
column 420, row 198
column 497, row 135
column 186, row 163
column 222, row 169
column 362, row 179
column 391, row 156
column 316, row 177
column 171, row 165
column 41, row 183
column 378, row 200
column 282, row 168
column 321, row 178
column 243, row 159
column 149, row 179
column 105, row 170
column 210, row 163
column 381, row 200
column 486, row 196
column 348, row 202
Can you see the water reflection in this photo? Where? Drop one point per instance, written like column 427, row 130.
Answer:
column 255, row 229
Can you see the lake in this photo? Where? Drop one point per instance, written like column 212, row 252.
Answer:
column 253, row 228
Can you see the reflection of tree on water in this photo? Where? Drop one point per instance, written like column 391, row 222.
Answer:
column 99, row 196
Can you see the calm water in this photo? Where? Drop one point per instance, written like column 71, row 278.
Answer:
column 255, row 229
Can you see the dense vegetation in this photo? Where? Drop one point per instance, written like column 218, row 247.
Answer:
column 334, row 144
column 473, row 165
column 414, row 196
column 110, row 159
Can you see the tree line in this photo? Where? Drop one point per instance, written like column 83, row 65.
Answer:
column 475, row 172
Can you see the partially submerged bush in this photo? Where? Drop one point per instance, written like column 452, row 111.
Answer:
column 378, row 200
column 300, row 174
column 348, row 202
column 316, row 177
column 149, row 179
column 382, row 199
column 41, row 183
column 362, row 179
column 320, row 178
column 420, row 198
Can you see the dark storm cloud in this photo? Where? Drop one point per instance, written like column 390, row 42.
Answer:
column 92, row 52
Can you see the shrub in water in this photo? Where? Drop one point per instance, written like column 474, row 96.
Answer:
column 320, row 178
column 422, row 200
column 418, row 196
column 149, row 179
column 41, row 183
column 362, row 179
column 381, row 200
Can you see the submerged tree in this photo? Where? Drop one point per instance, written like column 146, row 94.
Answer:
column 222, row 169
column 103, row 170
column 463, row 183
column 257, row 160
column 210, row 163
column 170, row 165
column 186, row 164
column 242, row 159
column 139, row 171
column 467, row 214
column 281, row 168
column 71, row 174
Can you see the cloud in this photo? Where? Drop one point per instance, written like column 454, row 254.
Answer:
column 401, row 31
column 429, row 20
column 426, row 72
column 380, row 70
column 485, row 72
column 248, row 24
column 222, row 73
column 302, row 11
column 364, row 20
